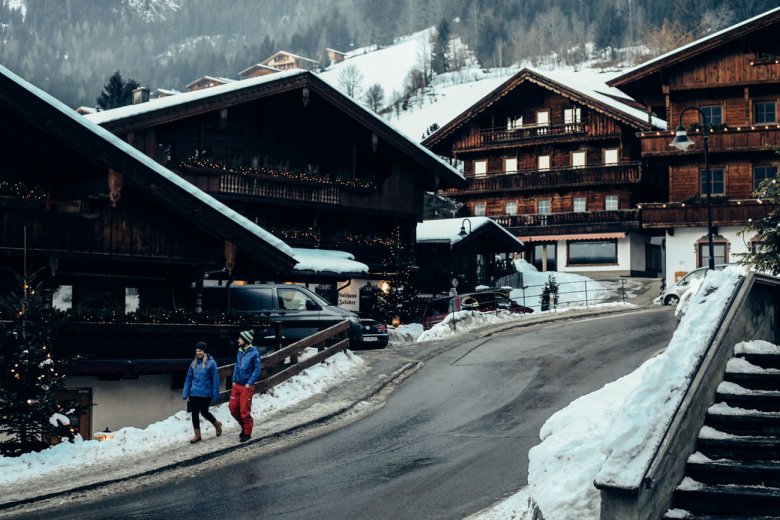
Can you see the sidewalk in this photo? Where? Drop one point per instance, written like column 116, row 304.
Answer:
column 363, row 392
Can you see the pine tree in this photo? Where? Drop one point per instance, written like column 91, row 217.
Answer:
column 401, row 299
column 765, row 232
column 117, row 92
column 30, row 376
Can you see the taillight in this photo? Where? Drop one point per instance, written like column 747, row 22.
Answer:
column 381, row 327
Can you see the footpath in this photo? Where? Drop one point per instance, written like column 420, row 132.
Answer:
column 365, row 390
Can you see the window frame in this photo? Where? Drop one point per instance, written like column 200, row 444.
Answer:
column 546, row 117
column 611, row 198
column 479, row 209
column 713, row 171
column 756, row 181
column 572, row 115
column 539, row 162
column 708, row 111
column 756, row 112
column 583, row 201
column 507, row 160
column 611, row 241
column 513, row 205
column 607, row 152
column 579, row 153
column 478, row 173
column 702, row 251
column 542, row 202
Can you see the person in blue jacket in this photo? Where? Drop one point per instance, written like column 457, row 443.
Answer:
column 200, row 387
column 245, row 375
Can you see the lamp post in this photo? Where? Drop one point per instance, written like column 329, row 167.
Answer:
column 462, row 233
column 682, row 142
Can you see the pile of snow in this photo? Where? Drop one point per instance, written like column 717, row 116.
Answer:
column 464, row 321
column 574, row 290
column 174, row 431
column 610, row 435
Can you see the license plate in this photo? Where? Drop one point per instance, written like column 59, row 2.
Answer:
column 371, row 339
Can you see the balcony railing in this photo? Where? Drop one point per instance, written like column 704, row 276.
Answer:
column 503, row 135
column 568, row 219
column 738, row 139
column 623, row 173
column 724, row 213
column 237, row 183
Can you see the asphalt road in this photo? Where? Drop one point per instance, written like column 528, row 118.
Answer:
column 450, row 441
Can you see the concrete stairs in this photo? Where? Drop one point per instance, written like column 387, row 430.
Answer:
column 735, row 472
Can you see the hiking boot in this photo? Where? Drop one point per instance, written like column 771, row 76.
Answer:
column 218, row 427
column 196, row 437
column 243, row 437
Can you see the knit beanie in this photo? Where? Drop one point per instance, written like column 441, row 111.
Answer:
column 247, row 336
column 201, row 345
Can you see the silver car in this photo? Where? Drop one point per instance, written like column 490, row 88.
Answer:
column 671, row 295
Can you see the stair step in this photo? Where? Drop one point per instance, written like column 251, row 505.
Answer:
column 757, row 381
column 732, row 499
column 743, row 424
column 767, row 402
column 735, row 472
column 740, row 448
column 762, row 360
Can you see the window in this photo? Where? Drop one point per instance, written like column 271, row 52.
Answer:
column 584, row 252
column 610, row 156
column 543, row 206
column 132, row 299
column 250, row 299
column 761, row 173
column 479, row 209
column 480, row 168
column 714, row 115
column 718, row 183
column 510, row 207
column 513, row 123
column 510, row 165
column 578, row 159
column 611, row 203
column 718, row 248
column 572, row 115
column 62, row 298
column 291, row 299
column 544, row 162
column 764, row 112
column 543, row 118
column 580, row 204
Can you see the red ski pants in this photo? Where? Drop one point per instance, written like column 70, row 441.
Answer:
column 241, row 406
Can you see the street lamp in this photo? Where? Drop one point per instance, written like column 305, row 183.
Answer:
column 682, row 142
column 462, row 233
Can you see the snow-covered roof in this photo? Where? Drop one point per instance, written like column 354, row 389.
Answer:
column 447, row 230
column 149, row 163
column 296, row 56
column 258, row 66
column 209, row 78
column 327, row 260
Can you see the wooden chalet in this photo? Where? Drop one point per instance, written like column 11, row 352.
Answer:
column 107, row 230
column 733, row 77
column 554, row 158
column 206, row 82
column 297, row 157
column 334, row 56
column 283, row 60
column 256, row 70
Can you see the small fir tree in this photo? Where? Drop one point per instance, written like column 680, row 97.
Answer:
column 549, row 296
column 30, row 376
column 117, row 92
column 401, row 298
column 765, row 232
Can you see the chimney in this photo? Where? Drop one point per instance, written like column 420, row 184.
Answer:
column 140, row 95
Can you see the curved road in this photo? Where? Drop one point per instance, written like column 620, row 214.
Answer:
column 450, row 441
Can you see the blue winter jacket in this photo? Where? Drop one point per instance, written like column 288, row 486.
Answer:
column 201, row 381
column 247, row 369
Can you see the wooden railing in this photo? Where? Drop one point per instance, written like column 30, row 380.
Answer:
column 278, row 189
column 724, row 213
column 566, row 219
column 623, row 173
column 328, row 342
column 748, row 138
column 502, row 135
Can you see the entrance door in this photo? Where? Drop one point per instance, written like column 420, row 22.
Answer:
column 544, row 256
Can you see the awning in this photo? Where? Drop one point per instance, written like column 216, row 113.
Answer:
column 581, row 236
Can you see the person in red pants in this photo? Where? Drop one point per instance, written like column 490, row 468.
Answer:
column 245, row 375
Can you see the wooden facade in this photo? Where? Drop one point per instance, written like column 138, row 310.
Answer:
column 542, row 157
column 283, row 60
column 733, row 77
column 296, row 157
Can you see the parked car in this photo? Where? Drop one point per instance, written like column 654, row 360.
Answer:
column 301, row 311
column 671, row 295
column 481, row 301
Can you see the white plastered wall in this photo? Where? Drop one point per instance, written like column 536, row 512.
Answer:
column 681, row 248
column 625, row 253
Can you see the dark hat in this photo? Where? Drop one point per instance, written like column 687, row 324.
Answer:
column 201, row 345
column 247, row 336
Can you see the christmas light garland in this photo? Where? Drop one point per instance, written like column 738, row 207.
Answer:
column 22, row 191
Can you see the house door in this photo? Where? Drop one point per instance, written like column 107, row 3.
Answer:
column 544, row 256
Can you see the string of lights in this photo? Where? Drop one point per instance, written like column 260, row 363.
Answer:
column 21, row 190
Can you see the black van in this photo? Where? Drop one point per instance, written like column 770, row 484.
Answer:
column 301, row 311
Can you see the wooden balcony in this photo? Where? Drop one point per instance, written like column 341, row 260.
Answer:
column 623, row 173
column 239, row 184
column 724, row 213
column 502, row 136
column 740, row 139
column 574, row 222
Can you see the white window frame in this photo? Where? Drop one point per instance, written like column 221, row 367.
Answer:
column 543, row 118
column 579, row 159
column 479, row 209
column 510, row 164
column 543, row 162
column 611, row 156
column 611, row 203
column 480, row 168
column 510, row 207
column 580, row 204
column 514, row 123
column 543, row 206
column 572, row 115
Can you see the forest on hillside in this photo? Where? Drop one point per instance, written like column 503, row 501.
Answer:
column 71, row 47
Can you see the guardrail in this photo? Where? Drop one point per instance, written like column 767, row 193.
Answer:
column 282, row 364
column 570, row 294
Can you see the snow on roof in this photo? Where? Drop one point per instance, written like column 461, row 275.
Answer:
column 327, row 260
column 446, row 230
column 258, row 66
column 698, row 42
column 149, row 163
column 296, row 56
column 593, row 84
